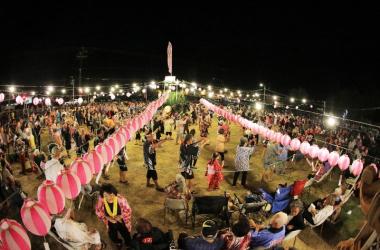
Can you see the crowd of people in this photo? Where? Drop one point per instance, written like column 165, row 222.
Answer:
column 70, row 130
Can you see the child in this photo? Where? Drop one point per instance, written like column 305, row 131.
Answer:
column 214, row 172
column 123, row 166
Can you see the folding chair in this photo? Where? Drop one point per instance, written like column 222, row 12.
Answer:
column 216, row 205
column 175, row 205
column 292, row 235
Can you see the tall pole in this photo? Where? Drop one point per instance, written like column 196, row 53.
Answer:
column 81, row 56
column 324, row 107
column 73, row 83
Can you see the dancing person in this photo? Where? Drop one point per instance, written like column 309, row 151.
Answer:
column 114, row 210
column 214, row 172
column 121, row 158
column 220, row 144
column 243, row 154
column 186, row 160
column 270, row 158
column 149, row 153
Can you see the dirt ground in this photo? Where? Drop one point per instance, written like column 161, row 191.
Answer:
column 148, row 203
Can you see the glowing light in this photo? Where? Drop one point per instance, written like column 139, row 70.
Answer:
column 296, row 107
column 261, row 85
column 187, row 90
column 128, row 94
column 152, row 85
column 144, row 91
column 32, row 93
column 87, row 90
column 275, row 97
column 194, row 84
column 50, row 88
column 304, row 100
column 112, row 89
column 134, row 85
column 117, row 86
column 247, row 96
column 192, row 89
column 210, row 94
column 331, row 121
column 47, row 92
column 63, row 91
column 80, row 90
column 225, row 89
column 12, row 89
column 311, row 106
column 256, row 94
column 203, row 92
column 97, row 88
column 287, row 107
column 120, row 91
column 292, row 99
column 231, row 94
column 209, row 87
column 258, row 106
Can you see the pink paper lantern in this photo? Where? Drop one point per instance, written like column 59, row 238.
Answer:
column 295, row 144
column 285, row 140
column 51, row 196
column 333, row 158
column 278, row 137
column 105, row 152
column 82, row 169
column 121, row 139
column 262, row 131
column 19, row 100
column 356, row 167
column 13, row 236
column 313, row 151
column 95, row 160
column 343, row 162
column 2, row 97
column 36, row 101
column 35, row 217
column 47, row 102
column 323, row 154
column 112, row 142
column 304, row 148
column 69, row 183
column 272, row 136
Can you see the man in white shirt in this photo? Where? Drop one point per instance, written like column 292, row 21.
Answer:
column 53, row 167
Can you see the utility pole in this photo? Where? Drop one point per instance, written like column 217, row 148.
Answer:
column 73, row 83
column 82, row 54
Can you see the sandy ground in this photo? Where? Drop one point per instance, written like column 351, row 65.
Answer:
column 148, row 203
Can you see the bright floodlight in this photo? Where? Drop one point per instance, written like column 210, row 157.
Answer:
column 112, row 89
column 287, row 107
column 311, row 106
column 256, row 94
column 152, row 85
column 47, row 92
column 50, row 88
column 32, row 93
column 12, row 89
column 247, row 95
column 225, row 89
column 209, row 87
column 63, row 91
column 274, row 97
column 98, row 87
column 261, row 85
column 117, row 86
column 134, row 84
column 292, row 99
column 296, row 107
column 80, row 90
column 194, row 84
column 120, row 91
column 303, row 100
column 210, row 94
column 86, row 89
column 144, row 90
column 258, row 106
column 331, row 121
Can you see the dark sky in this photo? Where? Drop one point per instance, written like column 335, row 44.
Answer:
column 332, row 53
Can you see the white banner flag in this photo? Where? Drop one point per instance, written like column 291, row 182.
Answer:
column 170, row 58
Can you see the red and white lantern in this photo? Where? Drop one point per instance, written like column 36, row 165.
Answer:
column 69, row 183
column 35, row 217
column 51, row 196
column 82, row 169
column 13, row 236
column 95, row 160
column 343, row 162
column 356, row 167
column 295, row 144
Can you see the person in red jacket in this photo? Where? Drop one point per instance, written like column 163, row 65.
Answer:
column 214, row 172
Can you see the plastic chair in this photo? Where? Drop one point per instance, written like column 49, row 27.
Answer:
column 292, row 235
column 175, row 205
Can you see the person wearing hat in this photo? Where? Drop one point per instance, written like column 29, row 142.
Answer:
column 209, row 239
column 271, row 236
column 243, row 153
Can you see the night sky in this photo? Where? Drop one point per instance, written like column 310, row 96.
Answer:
column 327, row 53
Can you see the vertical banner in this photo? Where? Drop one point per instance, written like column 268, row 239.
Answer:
column 170, row 58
